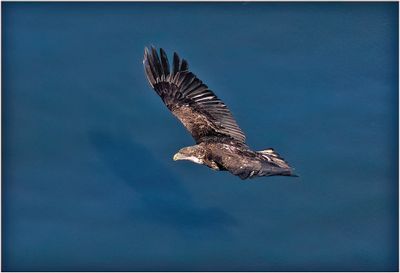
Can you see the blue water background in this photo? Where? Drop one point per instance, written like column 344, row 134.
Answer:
column 88, row 177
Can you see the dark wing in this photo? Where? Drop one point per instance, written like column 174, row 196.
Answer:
column 189, row 99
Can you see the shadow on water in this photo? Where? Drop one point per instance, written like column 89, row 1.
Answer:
column 163, row 197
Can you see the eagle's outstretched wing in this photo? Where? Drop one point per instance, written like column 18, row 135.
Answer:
column 189, row 99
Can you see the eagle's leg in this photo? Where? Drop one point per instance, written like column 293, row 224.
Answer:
column 212, row 165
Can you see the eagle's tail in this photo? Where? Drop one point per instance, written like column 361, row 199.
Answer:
column 274, row 158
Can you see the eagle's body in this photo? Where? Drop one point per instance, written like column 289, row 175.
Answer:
column 220, row 141
column 228, row 155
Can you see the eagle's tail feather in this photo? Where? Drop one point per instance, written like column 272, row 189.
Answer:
column 274, row 158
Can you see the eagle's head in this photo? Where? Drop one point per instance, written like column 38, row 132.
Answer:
column 194, row 153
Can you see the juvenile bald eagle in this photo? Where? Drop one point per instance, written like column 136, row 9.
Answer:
column 220, row 142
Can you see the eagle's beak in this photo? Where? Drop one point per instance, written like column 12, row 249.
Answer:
column 178, row 156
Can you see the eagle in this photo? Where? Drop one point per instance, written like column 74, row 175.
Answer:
column 220, row 143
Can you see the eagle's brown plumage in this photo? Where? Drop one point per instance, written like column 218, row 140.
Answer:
column 220, row 141
column 189, row 99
